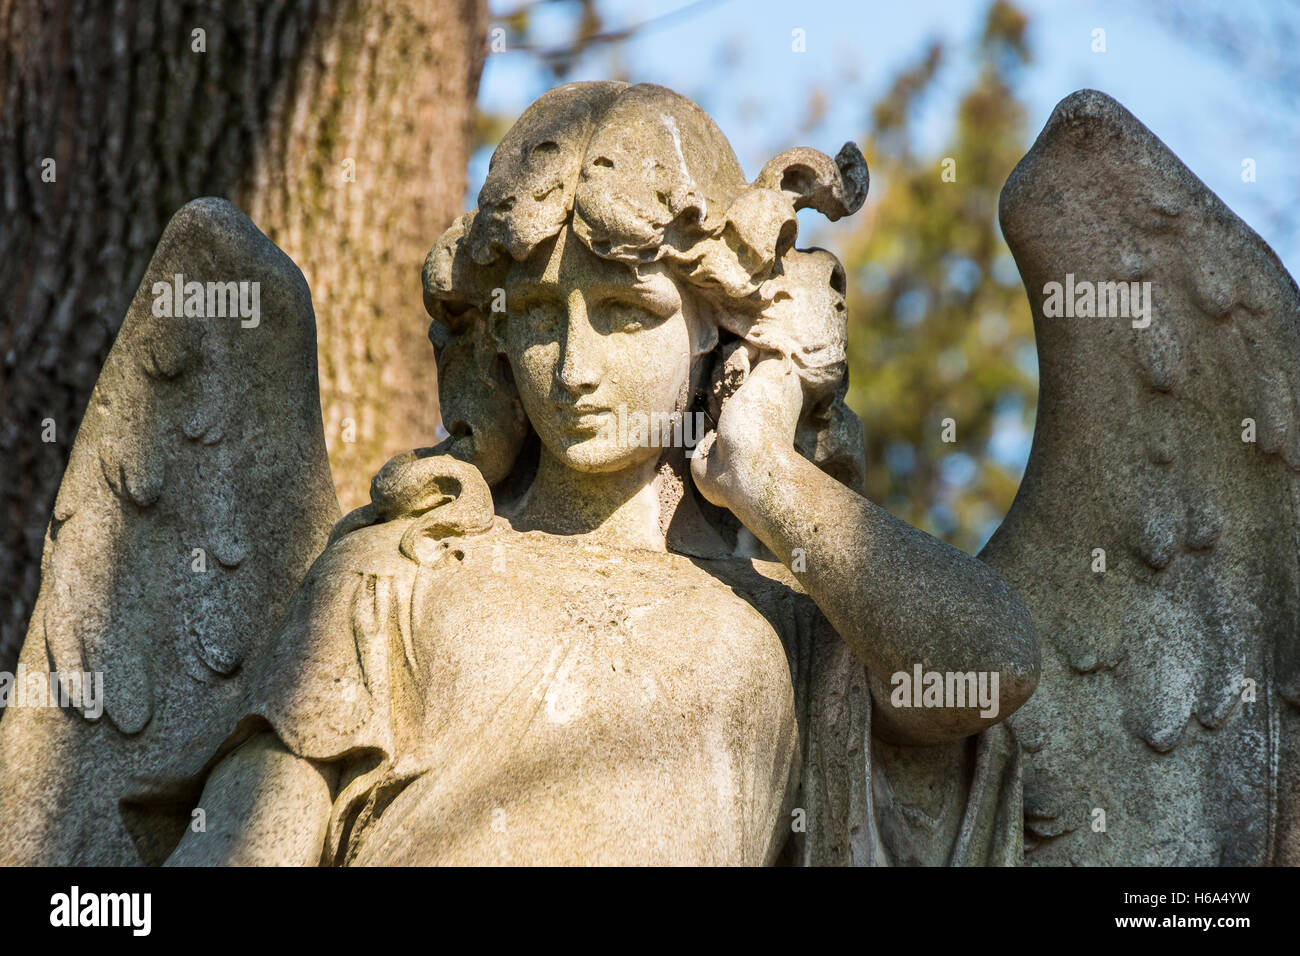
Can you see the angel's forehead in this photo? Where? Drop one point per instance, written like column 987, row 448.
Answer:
column 566, row 263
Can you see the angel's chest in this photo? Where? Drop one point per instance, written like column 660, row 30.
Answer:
column 583, row 640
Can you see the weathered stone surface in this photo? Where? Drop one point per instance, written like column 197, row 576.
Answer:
column 1145, row 711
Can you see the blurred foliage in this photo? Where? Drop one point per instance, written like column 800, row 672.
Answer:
column 939, row 324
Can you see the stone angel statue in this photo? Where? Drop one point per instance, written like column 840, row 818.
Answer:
column 561, row 635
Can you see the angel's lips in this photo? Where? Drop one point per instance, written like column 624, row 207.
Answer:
column 583, row 418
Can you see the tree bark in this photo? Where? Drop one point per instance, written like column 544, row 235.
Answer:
column 342, row 128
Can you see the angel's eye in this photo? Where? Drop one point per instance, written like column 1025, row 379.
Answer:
column 617, row 316
column 538, row 316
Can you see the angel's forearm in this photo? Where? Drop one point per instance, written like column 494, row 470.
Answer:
column 900, row 597
column 262, row 806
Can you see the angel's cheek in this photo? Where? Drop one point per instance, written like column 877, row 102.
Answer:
column 534, row 368
column 651, row 368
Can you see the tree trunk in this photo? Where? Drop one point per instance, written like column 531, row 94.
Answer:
column 342, row 128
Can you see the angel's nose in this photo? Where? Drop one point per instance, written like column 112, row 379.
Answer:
column 580, row 366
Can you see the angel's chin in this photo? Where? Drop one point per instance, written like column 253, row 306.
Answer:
column 595, row 454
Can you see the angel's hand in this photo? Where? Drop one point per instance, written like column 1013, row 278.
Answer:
column 757, row 422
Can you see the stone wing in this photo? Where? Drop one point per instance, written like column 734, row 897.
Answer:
column 197, row 493
column 1154, row 536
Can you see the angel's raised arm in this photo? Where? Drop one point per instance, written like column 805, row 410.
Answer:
column 901, row 598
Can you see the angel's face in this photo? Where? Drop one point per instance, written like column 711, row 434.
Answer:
column 591, row 346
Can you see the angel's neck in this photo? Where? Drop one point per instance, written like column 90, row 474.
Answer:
column 622, row 507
